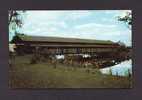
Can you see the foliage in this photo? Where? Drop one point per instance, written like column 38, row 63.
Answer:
column 15, row 38
column 15, row 20
column 127, row 18
column 33, row 60
column 18, row 37
column 123, row 47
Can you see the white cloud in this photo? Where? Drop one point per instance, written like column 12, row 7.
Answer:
column 77, row 14
column 44, row 15
column 95, row 25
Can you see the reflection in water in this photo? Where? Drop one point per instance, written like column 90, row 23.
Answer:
column 119, row 69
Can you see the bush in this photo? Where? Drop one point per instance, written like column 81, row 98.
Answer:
column 34, row 59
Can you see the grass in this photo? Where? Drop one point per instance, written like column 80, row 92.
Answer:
column 43, row 75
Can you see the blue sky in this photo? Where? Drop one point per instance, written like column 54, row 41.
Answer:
column 88, row 24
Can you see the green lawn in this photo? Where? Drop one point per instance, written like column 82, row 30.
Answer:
column 43, row 75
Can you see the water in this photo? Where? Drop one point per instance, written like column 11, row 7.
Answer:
column 119, row 69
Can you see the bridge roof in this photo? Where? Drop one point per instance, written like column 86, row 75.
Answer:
column 62, row 39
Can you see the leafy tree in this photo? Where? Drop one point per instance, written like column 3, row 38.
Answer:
column 15, row 20
column 127, row 18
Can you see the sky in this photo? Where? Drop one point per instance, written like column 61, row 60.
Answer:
column 85, row 24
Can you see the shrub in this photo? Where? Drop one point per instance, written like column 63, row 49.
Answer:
column 34, row 59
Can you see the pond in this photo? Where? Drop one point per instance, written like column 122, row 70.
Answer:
column 121, row 69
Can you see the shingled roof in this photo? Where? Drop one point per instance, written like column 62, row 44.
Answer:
column 62, row 39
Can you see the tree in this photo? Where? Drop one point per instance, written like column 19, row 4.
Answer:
column 121, row 43
column 126, row 18
column 15, row 20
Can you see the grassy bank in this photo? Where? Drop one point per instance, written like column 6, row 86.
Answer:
column 43, row 75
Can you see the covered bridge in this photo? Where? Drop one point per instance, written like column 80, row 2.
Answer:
column 58, row 45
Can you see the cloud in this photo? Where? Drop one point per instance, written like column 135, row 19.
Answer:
column 74, row 15
column 95, row 25
column 44, row 15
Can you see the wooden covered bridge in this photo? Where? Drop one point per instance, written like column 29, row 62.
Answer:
column 58, row 45
column 71, row 48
